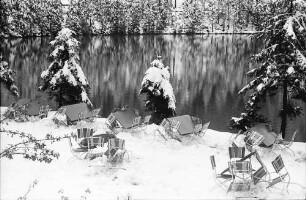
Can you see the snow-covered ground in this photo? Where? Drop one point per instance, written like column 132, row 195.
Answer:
column 155, row 169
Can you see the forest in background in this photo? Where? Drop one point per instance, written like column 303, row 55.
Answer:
column 44, row 17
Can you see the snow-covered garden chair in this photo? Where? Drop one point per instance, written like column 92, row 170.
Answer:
column 173, row 130
column 283, row 144
column 116, row 150
column 219, row 178
column 164, row 128
column 241, row 176
column 43, row 111
column 236, row 152
column 261, row 174
column 80, row 144
column 282, row 173
column 84, row 142
column 200, row 131
column 110, row 122
column 20, row 115
column 60, row 117
column 253, row 139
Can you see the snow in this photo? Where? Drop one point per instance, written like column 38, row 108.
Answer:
column 260, row 87
column 290, row 70
column 155, row 169
column 289, row 28
column 301, row 59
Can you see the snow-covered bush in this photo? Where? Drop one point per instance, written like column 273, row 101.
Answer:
column 282, row 63
column 156, row 85
column 30, row 147
column 6, row 77
column 64, row 77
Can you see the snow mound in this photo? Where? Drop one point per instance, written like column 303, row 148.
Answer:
column 152, row 169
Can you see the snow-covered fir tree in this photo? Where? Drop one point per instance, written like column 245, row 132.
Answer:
column 156, row 85
column 64, row 77
column 6, row 77
column 282, row 66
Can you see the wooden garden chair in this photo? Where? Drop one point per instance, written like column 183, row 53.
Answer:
column 80, row 144
column 285, row 145
column 282, row 173
column 236, row 152
column 60, row 117
column 164, row 128
column 219, row 178
column 43, row 111
column 173, row 130
column 116, row 150
column 260, row 175
column 110, row 122
column 253, row 139
column 200, row 131
column 241, row 176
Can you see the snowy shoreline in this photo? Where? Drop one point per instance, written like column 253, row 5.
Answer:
column 155, row 169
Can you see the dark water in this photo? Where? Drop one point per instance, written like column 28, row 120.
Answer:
column 207, row 73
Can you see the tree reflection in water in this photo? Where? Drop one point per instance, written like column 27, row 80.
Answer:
column 207, row 72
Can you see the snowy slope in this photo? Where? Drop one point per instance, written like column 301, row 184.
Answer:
column 155, row 169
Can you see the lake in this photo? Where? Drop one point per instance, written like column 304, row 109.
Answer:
column 207, row 73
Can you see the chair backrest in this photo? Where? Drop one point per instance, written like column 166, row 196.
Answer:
column 259, row 174
column 97, row 141
column 240, row 167
column 147, row 119
column 84, row 132
column 236, row 152
column 116, row 143
column 254, row 138
column 278, row 163
column 175, row 124
column 165, row 124
column 136, row 121
column 111, row 118
column 213, row 162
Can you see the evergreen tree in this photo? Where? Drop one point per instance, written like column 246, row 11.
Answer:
column 6, row 77
column 64, row 77
column 156, row 85
column 3, row 19
column 282, row 64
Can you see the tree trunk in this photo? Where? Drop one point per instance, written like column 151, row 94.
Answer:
column 284, row 110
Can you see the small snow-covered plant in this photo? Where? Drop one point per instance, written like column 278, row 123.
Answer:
column 64, row 77
column 156, row 85
column 83, row 197
column 30, row 147
column 282, row 65
column 31, row 186
column 6, row 77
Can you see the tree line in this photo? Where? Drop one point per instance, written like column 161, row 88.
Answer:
column 42, row 17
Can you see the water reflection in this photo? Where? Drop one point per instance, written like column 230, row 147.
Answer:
column 208, row 72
